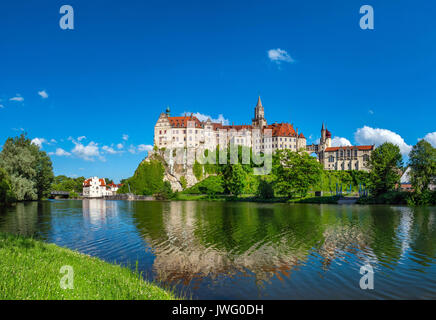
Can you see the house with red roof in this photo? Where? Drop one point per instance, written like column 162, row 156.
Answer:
column 95, row 188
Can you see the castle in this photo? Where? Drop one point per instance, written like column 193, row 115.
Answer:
column 189, row 132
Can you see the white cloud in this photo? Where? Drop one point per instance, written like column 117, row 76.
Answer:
column 125, row 137
column 431, row 138
column 371, row 112
column 120, row 146
column 38, row 142
column 204, row 117
column 87, row 152
column 132, row 149
column 145, row 147
column 43, row 94
column 340, row 142
column 368, row 135
column 110, row 150
column 17, row 98
column 60, row 152
column 81, row 138
column 53, row 141
column 1, row 106
column 278, row 56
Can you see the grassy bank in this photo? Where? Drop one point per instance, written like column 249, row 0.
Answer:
column 30, row 269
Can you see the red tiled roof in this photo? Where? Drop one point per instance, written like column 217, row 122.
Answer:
column 349, row 148
column 282, row 130
column 182, row 122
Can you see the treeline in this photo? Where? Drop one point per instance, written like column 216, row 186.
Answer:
column 26, row 172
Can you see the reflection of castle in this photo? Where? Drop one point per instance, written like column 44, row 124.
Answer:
column 191, row 245
column 189, row 132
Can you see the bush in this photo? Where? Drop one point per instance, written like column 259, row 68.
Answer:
column 265, row 189
column 198, row 170
column 183, row 182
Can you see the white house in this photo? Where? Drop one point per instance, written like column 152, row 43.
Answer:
column 95, row 188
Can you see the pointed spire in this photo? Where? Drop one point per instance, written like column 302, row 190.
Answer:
column 259, row 102
column 323, row 126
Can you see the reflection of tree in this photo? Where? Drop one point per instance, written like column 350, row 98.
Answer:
column 385, row 243
column 27, row 218
column 423, row 236
column 192, row 240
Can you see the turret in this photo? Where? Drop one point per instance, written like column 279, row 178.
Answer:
column 167, row 111
column 259, row 115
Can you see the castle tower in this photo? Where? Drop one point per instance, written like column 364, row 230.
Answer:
column 259, row 115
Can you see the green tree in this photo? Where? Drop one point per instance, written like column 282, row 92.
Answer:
column 183, row 182
column 235, row 178
column 212, row 186
column 422, row 161
column 384, row 164
column 6, row 193
column 265, row 189
column 198, row 170
column 29, row 168
column 295, row 172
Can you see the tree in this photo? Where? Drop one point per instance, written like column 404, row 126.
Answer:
column 212, row 186
column 6, row 193
column 183, row 182
column 265, row 189
column 235, row 178
column 384, row 164
column 422, row 161
column 295, row 172
column 29, row 168
column 44, row 174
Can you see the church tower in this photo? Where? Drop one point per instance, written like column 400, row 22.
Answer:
column 259, row 115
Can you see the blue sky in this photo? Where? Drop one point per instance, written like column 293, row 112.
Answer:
column 79, row 91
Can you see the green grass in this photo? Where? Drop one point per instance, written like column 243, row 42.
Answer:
column 30, row 269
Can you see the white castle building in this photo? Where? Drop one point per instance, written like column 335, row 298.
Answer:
column 189, row 132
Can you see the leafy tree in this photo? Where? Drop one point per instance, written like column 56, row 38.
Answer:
column 29, row 168
column 265, row 189
column 183, row 182
column 212, row 186
column 6, row 193
column 198, row 170
column 295, row 172
column 422, row 161
column 235, row 178
column 384, row 164
column 108, row 181
column 147, row 179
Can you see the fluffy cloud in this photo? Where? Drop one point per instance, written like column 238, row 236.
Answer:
column 340, row 142
column 431, row 138
column 110, row 150
column 145, row 147
column 278, row 56
column 17, row 98
column 204, row 117
column 87, row 152
column 120, row 146
column 39, row 142
column 1, row 106
column 368, row 135
column 125, row 137
column 43, row 94
column 60, row 152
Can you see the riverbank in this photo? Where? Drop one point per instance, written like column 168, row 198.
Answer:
column 30, row 269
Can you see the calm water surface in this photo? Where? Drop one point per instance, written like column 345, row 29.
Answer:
column 219, row 250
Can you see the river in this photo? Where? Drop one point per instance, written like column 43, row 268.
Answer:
column 242, row 250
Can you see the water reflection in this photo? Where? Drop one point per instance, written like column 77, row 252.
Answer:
column 98, row 211
column 224, row 250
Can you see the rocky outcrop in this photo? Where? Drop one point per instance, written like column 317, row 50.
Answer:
column 173, row 171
